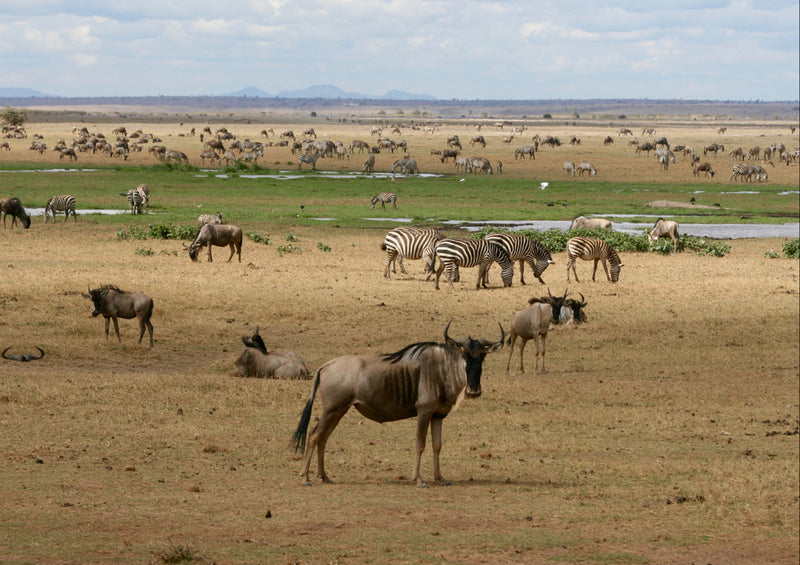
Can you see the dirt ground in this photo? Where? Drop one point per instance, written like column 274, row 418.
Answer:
column 665, row 430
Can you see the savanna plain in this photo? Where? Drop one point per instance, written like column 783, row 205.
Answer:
column 665, row 429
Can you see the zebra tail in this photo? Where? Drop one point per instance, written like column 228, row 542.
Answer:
column 299, row 437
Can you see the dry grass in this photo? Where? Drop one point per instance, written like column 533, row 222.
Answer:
column 665, row 431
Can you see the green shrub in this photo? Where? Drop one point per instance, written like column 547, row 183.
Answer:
column 288, row 249
column 771, row 254
column 322, row 247
column 258, row 238
column 791, row 248
column 157, row 231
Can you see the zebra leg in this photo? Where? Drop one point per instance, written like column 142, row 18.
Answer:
column 439, row 274
column 594, row 271
column 400, row 262
column 605, row 268
column 571, row 264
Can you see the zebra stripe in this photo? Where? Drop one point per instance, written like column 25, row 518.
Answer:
column 383, row 198
column 524, row 249
column 744, row 171
column 454, row 253
column 209, row 219
column 411, row 243
column 306, row 158
column 134, row 201
column 60, row 203
column 590, row 249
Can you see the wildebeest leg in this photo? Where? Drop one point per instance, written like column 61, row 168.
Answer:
column 319, row 438
column 116, row 329
column 108, row 321
column 522, row 345
column 436, row 444
column 423, row 422
column 543, row 337
column 210, row 259
column 233, row 250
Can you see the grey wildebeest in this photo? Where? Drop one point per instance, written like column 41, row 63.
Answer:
column 256, row 361
column 13, row 206
column 590, row 223
column 219, row 235
column 664, row 228
column 112, row 303
column 24, row 357
column 533, row 323
column 424, row 380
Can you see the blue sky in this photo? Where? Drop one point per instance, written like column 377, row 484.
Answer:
column 721, row 50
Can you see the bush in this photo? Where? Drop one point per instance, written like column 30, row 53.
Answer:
column 157, row 231
column 791, row 248
column 258, row 238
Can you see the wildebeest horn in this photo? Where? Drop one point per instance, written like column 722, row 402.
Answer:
column 41, row 354
column 487, row 343
column 583, row 300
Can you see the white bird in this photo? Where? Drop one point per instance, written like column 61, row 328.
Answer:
column 462, row 180
column 544, row 185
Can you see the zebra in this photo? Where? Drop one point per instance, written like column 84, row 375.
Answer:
column 134, row 200
column 209, row 219
column 590, row 249
column 60, row 203
column 585, row 166
column 383, row 198
column 306, row 158
column 171, row 155
column 524, row 249
column 744, row 171
column 411, row 243
column 454, row 253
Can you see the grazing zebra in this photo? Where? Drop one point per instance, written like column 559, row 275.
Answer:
column 744, row 171
column 411, row 243
column 134, row 200
column 585, row 166
column 524, row 249
column 383, row 198
column 60, row 203
column 144, row 192
column 454, row 253
column 209, row 219
column 589, row 249
column 306, row 158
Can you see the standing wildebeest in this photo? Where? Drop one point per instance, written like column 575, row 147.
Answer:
column 713, row 147
column 590, row 223
column 219, row 235
column 624, row 131
column 255, row 361
column 114, row 303
column 24, row 357
column 705, row 168
column 528, row 150
column 664, row 228
column 423, row 380
column 369, row 164
column 14, row 207
column 589, row 249
column 533, row 323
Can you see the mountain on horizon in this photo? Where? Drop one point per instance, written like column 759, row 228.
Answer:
column 16, row 92
column 332, row 92
column 253, row 91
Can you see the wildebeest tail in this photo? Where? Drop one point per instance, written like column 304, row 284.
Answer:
column 300, row 434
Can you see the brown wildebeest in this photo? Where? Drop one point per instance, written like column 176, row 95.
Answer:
column 256, row 361
column 219, row 235
column 13, row 206
column 590, row 223
column 423, row 380
column 664, row 228
column 112, row 303
column 533, row 323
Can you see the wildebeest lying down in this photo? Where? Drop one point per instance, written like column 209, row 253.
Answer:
column 422, row 380
column 255, row 361
column 219, row 235
column 22, row 357
column 114, row 303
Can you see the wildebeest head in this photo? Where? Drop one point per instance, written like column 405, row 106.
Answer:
column 556, row 302
column 96, row 296
column 474, row 352
column 22, row 357
column 255, row 341
column 577, row 308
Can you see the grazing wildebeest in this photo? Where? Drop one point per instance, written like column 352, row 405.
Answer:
column 590, row 223
column 528, row 150
column 705, row 168
column 584, row 167
column 112, row 303
column 448, row 154
column 533, row 323
column 218, row 235
column 256, row 361
column 369, row 165
column 24, row 357
column 664, row 228
column 569, row 167
column 423, row 380
column 13, row 206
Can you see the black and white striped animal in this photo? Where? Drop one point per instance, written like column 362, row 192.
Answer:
column 134, row 198
column 60, row 203
column 308, row 159
column 454, row 253
column 410, row 243
column 204, row 219
column 590, row 249
column 384, row 198
column 584, row 167
column 525, row 250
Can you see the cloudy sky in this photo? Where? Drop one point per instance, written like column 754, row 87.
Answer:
column 497, row 49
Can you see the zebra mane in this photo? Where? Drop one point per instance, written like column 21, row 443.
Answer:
column 409, row 352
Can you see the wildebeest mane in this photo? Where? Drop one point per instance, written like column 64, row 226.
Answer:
column 409, row 352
